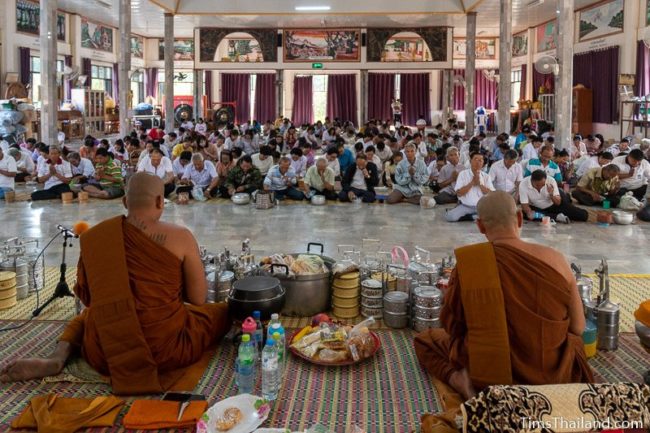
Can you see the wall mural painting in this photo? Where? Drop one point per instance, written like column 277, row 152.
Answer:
column 601, row 20
column 545, row 34
column 137, row 46
column 28, row 19
column 435, row 39
column 486, row 49
column 183, row 49
column 406, row 47
column 520, row 45
column 239, row 50
column 96, row 36
column 210, row 39
column 322, row 45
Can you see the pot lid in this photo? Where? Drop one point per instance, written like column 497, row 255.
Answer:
column 372, row 284
column 609, row 307
column 256, row 288
column 396, row 296
column 428, row 292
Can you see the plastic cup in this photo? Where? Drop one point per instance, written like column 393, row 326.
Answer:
column 606, row 204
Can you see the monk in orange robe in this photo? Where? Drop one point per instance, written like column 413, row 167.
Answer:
column 512, row 313
column 136, row 276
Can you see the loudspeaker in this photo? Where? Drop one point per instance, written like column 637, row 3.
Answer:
column 279, row 40
column 363, row 39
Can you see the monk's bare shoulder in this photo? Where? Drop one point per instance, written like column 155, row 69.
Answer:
column 552, row 257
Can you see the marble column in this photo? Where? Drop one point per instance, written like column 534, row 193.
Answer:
column 470, row 71
column 505, row 65
column 564, row 81
column 364, row 97
column 279, row 92
column 444, row 88
column 169, row 72
column 49, row 102
column 198, row 94
column 124, row 67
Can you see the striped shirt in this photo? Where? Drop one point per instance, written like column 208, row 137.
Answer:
column 113, row 169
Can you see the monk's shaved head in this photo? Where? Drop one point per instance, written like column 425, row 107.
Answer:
column 142, row 191
column 497, row 209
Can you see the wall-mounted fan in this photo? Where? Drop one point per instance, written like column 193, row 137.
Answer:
column 491, row 75
column 547, row 65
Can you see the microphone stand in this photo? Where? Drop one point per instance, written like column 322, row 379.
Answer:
column 62, row 289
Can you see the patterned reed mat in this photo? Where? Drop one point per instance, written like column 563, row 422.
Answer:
column 628, row 289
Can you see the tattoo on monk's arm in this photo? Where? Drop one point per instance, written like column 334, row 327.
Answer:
column 158, row 238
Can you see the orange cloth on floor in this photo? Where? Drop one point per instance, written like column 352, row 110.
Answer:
column 642, row 314
column 536, row 299
column 444, row 422
column 157, row 414
column 122, row 275
column 52, row 414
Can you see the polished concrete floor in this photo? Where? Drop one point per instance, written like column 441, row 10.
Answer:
column 289, row 227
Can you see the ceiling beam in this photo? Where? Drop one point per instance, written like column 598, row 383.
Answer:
column 462, row 5
column 162, row 6
column 178, row 5
column 475, row 6
column 325, row 14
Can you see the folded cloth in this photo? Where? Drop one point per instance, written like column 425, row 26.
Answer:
column 53, row 414
column 158, row 414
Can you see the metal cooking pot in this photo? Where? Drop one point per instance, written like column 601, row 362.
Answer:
column 307, row 294
column 265, row 294
column 241, row 198
column 318, row 200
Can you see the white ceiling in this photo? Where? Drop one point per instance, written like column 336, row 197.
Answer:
column 148, row 14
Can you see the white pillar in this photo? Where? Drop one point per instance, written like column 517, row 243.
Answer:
column 279, row 89
column 564, row 82
column 505, row 66
column 470, row 71
column 169, row 72
column 49, row 103
column 364, row 97
column 124, row 67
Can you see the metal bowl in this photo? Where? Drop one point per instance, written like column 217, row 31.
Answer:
column 241, row 198
column 623, row 218
column 318, row 200
column 643, row 332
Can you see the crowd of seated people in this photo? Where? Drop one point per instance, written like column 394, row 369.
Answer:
column 285, row 158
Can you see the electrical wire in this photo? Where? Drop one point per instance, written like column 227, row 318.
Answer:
column 38, row 300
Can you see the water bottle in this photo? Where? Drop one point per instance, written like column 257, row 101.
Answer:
column 250, row 327
column 246, row 366
column 279, row 342
column 275, row 320
column 282, row 344
column 259, row 331
column 270, row 371
column 538, row 215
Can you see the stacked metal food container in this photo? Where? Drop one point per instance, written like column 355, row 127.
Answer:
column 372, row 293
column 22, row 256
column 345, row 299
column 427, row 302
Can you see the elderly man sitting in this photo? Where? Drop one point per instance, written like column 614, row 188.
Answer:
column 55, row 173
column 447, row 177
column 507, row 174
column 245, row 177
column 472, row 184
column 411, row 175
column 24, row 164
column 319, row 180
column 7, row 173
column 360, row 181
column 531, row 332
column 107, row 182
column 282, row 180
column 82, row 168
column 161, row 166
column 200, row 173
column 598, row 184
column 539, row 193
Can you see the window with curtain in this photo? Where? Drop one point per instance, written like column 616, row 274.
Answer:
column 320, row 97
column 137, row 87
column 101, row 78
column 515, row 90
column 35, row 77
column 183, row 83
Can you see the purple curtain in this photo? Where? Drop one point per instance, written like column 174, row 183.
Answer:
column 236, row 88
column 414, row 95
column 342, row 97
column 546, row 80
column 265, row 101
column 207, row 79
column 485, row 91
column 303, row 109
column 25, row 75
column 86, row 69
column 151, row 82
column 459, row 91
column 523, row 83
column 116, row 83
column 642, row 86
column 381, row 91
column 598, row 71
column 67, row 85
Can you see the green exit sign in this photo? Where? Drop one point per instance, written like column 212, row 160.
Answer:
column 317, row 66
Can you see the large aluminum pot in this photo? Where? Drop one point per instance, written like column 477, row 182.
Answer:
column 306, row 294
column 264, row 294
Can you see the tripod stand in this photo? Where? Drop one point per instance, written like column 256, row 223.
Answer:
column 62, row 289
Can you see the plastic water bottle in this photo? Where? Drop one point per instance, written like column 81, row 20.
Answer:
column 246, row 366
column 270, row 373
column 259, row 331
column 279, row 342
column 282, row 343
column 538, row 215
column 275, row 320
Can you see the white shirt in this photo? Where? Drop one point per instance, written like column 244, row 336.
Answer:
column 201, row 178
column 540, row 199
column 335, row 166
column 264, row 165
column 472, row 197
column 8, row 163
column 62, row 169
column 433, row 169
column 85, row 168
column 577, row 151
column 178, row 168
column 641, row 173
column 201, row 128
column 229, row 144
column 359, row 180
column 161, row 171
column 530, row 152
column 299, row 166
column 446, row 173
column 505, row 179
column 25, row 162
column 587, row 164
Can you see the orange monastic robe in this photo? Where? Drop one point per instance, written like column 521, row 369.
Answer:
column 536, row 301
column 136, row 327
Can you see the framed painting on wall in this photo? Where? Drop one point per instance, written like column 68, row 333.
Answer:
column 96, row 36
column 322, row 45
column 520, row 44
column 486, row 48
column 137, row 46
column 183, row 49
column 28, row 19
column 237, row 50
column 545, row 34
column 601, row 20
column 406, row 47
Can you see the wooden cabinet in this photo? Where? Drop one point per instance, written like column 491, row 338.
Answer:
column 91, row 105
column 583, row 110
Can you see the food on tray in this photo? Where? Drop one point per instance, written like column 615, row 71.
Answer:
column 303, row 264
column 230, row 418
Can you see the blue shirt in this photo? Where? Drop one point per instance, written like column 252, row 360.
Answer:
column 274, row 179
column 346, row 160
column 407, row 184
column 552, row 170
